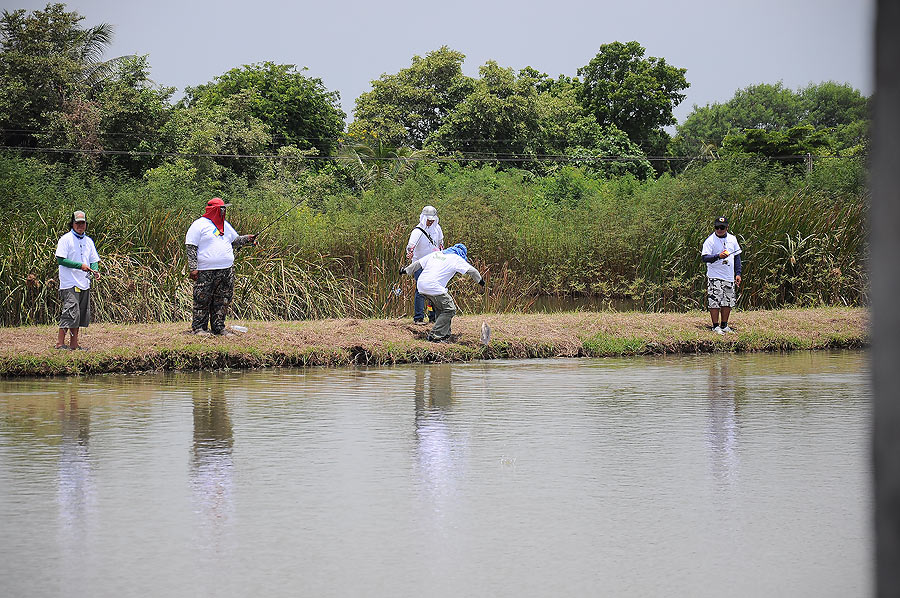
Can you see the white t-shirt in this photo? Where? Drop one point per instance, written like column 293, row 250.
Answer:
column 420, row 243
column 81, row 250
column 437, row 270
column 214, row 250
column 723, row 268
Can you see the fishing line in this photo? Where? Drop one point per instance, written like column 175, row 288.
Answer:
column 280, row 217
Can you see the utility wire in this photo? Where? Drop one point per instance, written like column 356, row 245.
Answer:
column 464, row 157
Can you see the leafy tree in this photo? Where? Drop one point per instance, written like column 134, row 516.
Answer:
column 218, row 135
column 620, row 87
column 532, row 121
column 788, row 145
column 49, row 68
column 773, row 107
column 500, row 118
column 831, row 104
column 132, row 112
column 405, row 108
column 298, row 110
column 611, row 155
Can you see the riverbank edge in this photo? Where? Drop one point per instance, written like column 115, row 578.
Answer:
column 116, row 348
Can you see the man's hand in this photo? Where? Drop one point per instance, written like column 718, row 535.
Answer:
column 402, row 271
column 85, row 267
column 724, row 254
column 252, row 239
column 409, row 253
column 194, row 274
column 737, row 280
column 95, row 274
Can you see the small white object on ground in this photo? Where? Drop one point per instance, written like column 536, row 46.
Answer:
column 239, row 328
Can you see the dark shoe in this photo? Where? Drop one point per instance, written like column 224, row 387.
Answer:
column 78, row 348
column 420, row 322
column 438, row 339
column 201, row 332
column 224, row 333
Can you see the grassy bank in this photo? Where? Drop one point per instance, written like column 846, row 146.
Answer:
column 120, row 348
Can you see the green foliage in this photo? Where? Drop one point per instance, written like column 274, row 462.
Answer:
column 568, row 233
column 371, row 160
column 499, row 118
column 297, row 110
column 49, row 70
column 831, row 104
column 132, row 113
column 404, row 109
column 636, row 94
column 788, row 145
column 213, row 133
column 826, row 105
column 612, row 154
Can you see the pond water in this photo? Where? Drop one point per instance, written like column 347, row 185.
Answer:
column 712, row 475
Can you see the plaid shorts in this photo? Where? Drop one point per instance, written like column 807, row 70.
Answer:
column 720, row 293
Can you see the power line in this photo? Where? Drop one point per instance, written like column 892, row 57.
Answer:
column 462, row 157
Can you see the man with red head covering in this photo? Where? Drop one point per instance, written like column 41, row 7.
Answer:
column 210, row 243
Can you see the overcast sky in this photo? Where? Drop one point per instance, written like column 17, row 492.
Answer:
column 724, row 44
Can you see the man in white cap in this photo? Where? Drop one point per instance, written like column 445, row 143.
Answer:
column 436, row 270
column 210, row 243
column 78, row 261
column 426, row 238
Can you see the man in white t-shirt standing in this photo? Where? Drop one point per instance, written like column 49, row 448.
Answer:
column 427, row 237
column 722, row 255
column 210, row 244
column 78, row 261
column 435, row 271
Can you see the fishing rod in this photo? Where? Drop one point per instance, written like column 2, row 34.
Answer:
column 280, row 217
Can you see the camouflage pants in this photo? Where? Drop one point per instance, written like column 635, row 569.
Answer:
column 213, row 291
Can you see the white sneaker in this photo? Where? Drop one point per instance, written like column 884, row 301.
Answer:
column 727, row 329
column 718, row 330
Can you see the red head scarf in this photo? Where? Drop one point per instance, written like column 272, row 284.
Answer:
column 214, row 213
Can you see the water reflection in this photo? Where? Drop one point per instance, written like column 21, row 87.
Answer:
column 698, row 465
column 436, row 448
column 722, row 422
column 75, row 484
column 212, row 463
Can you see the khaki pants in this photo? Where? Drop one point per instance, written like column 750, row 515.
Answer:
column 444, row 310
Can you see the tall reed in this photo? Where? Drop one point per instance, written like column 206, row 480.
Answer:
column 566, row 234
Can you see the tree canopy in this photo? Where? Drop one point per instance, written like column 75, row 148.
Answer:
column 407, row 107
column 638, row 95
column 298, row 110
column 771, row 107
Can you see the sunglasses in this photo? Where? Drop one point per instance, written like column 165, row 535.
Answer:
column 721, row 227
